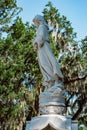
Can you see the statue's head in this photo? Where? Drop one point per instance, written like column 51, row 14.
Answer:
column 38, row 19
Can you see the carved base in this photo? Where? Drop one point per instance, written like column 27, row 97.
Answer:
column 52, row 122
column 52, row 101
column 52, row 108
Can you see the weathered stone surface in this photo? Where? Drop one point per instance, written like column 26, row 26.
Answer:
column 52, row 122
column 52, row 100
column 75, row 125
column 47, row 62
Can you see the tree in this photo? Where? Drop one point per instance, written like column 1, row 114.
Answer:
column 8, row 10
column 16, row 61
column 13, row 65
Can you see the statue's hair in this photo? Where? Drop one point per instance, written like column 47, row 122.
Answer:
column 41, row 19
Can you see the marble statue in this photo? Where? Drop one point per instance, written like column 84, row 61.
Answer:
column 52, row 107
column 48, row 65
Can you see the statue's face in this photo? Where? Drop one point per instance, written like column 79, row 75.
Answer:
column 37, row 23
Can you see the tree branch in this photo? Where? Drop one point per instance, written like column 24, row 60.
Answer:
column 81, row 104
column 72, row 80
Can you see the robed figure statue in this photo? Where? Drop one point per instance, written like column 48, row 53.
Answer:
column 48, row 64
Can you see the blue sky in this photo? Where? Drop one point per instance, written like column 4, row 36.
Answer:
column 74, row 10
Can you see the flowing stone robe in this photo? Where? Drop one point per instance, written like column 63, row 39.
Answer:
column 47, row 61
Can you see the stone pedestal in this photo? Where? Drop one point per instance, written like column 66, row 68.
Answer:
column 52, row 109
column 52, row 122
column 74, row 125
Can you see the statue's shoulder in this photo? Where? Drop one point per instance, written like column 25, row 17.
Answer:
column 42, row 26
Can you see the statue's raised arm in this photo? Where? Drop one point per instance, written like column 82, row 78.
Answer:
column 48, row 65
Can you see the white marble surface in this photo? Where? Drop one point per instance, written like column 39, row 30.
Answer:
column 52, row 100
column 48, row 64
column 75, row 125
column 57, row 122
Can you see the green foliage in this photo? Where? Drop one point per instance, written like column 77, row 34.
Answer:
column 8, row 10
column 53, row 14
column 83, row 128
column 16, row 57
